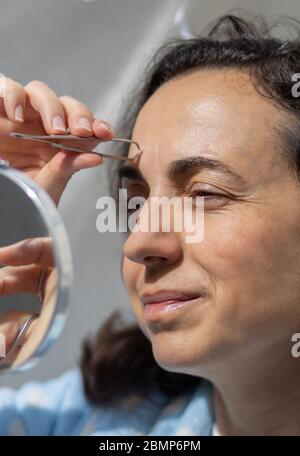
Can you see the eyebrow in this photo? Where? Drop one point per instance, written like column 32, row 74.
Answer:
column 184, row 168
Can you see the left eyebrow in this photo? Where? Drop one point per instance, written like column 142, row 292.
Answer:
column 184, row 168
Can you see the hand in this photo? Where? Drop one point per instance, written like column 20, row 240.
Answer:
column 23, row 263
column 36, row 109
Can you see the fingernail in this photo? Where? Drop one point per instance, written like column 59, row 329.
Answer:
column 19, row 113
column 84, row 122
column 106, row 126
column 58, row 123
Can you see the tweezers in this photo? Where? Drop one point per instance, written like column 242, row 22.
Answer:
column 4, row 363
column 47, row 139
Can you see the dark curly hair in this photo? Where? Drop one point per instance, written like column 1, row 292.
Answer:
column 118, row 360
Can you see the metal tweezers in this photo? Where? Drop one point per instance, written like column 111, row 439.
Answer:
column 4, row 362
column 47, row 139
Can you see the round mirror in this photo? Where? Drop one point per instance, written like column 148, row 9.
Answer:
column 35, row 271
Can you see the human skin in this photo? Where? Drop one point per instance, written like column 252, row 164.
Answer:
column 238, row 335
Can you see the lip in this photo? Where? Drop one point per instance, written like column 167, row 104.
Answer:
column 168, row 296
column 160, row 309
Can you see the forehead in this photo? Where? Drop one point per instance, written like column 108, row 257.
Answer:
column 218, row 114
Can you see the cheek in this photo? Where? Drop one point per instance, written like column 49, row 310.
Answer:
column 235, row 246
column 251, row 264
column 130, row 272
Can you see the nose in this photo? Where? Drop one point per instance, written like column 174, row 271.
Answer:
column 153, row 248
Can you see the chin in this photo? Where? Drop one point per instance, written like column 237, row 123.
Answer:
column 198, row 352
column 173, row 355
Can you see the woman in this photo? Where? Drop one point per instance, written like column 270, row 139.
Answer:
column 217, row 118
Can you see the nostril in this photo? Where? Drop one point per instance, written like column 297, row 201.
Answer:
column 152, row 259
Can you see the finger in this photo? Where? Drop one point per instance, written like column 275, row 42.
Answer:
column 103, row 130
column 9, row 328
column 81, row 122
column 22, row 279
column 10, row 325
column 28, row 251
column 57, row 172
column 78, row 115
column 14, row 99
column 45, row 101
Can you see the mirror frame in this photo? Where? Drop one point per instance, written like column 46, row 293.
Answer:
column 62, row 255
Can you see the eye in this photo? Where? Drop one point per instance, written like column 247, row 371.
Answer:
column 207, row 195
column 211, row 199
column 133, row 210
column 134, row 203
column 136, row 193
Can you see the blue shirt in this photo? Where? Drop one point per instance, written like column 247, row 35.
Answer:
column 59, row 407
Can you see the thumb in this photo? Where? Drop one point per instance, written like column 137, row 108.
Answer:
column 55, row 175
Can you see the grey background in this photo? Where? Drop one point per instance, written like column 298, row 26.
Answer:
column 95, row 51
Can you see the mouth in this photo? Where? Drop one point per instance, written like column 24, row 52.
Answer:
column 159, row 304
column 163, row 297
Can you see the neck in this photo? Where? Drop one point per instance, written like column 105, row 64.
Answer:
column 261, row 397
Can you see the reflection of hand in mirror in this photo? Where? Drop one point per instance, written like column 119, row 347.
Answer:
column 36, row 109
column 22, row 266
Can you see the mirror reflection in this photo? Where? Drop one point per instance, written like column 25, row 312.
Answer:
column 28, row 276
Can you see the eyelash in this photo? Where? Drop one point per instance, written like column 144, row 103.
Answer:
column 204, row 193
column 209, row 197
column 129, row 211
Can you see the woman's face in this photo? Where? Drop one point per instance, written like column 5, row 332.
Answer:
column 245, row 271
